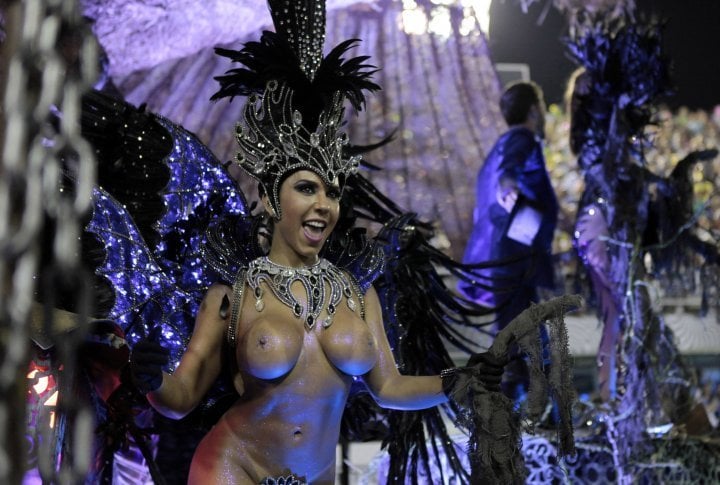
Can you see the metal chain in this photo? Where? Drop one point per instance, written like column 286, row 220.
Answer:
column 48, row 60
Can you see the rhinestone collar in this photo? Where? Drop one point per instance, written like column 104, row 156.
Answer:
column 313, row 278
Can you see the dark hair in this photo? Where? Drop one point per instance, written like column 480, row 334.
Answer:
column 517, row 99
column 578, row 108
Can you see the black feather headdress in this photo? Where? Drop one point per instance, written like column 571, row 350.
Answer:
column 296, row 97
column 626, row 72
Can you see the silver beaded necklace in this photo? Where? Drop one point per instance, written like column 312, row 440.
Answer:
column 313, row 278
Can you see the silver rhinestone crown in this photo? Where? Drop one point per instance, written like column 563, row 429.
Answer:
column 273, row 142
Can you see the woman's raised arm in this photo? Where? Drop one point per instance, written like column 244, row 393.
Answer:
column 181, row 391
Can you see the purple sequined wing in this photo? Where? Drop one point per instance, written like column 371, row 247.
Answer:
column 198, row 193
column 164, row 284
column 145, row 295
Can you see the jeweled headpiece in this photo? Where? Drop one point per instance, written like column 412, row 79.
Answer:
column 294, row 111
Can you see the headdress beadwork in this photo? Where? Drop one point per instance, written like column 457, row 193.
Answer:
column 274, row 143
column 294, row 111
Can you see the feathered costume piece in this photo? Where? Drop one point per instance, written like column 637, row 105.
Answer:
column 628, row 72
column 160, row 263
column 494, row 447
column 160, row 188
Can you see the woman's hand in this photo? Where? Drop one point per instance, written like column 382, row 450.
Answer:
column 507, row 197
column 146, row 362
column 488, row 369
column 482, row 368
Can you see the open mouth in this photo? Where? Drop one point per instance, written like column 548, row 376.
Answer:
column 314, row 229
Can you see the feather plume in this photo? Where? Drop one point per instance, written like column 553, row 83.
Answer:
column 273, row 59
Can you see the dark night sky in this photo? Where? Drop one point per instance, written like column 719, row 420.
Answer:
column 692, row 42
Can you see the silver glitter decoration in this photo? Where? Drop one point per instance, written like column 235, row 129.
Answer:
column 313, row 278
column 273, row 143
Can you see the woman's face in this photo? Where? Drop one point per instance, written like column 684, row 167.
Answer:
column 309, row 213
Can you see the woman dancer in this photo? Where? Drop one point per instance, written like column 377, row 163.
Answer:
column 294, row 329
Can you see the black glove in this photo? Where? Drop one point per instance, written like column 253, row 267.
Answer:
column 146, row 362
column 488, row 369
column 483, row 368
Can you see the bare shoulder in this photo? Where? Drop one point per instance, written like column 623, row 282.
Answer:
column 371, row 295
column 373, row 311
column 217, row 291
column 217, row 296
column 368, row 298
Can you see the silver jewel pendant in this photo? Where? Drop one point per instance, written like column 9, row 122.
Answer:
column 259, row 302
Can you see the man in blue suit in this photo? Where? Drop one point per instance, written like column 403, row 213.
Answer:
column 515, row 216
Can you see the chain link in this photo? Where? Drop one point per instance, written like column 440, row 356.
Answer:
column 48, row 61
